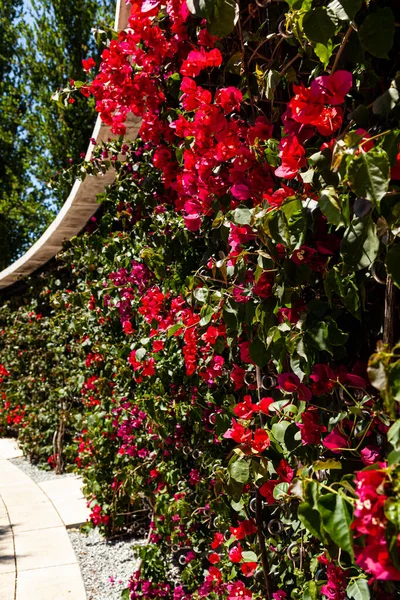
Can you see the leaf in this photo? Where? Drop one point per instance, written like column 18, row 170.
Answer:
column 200, row 8
column 242, row 216
column 392, row 512
column 377, row 32
column 272, row 80
column 222, row 17
column 310, row 519
column 206, row 314
column 393, row 263
column 329, row 204
column 358, row 590
column 393, row 435
column 318, row 26
column 345, row 10
column 239, row 471
column 360, row 244
column 249, row 556
column 258, row 352
column 310, row 591
column 336, row 519
column 281, row 490
column 369, row 175
column 324, row 52
column 318, row 465
column 201, row 294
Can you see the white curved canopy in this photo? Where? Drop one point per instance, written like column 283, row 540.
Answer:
column 81, row 203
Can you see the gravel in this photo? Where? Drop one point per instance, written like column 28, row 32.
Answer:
column 38, row 475
column 106, row 565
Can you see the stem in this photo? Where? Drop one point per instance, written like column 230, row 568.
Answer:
column 261, row 544
column 285, row 68
column 246, row 69
column 389, row 316
column 342, row 47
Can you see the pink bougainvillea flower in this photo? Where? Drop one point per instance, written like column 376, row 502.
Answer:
column 370, row 454
column 279, row 595
column 332, row 89
column 375, row 559
column 238, row 591
column 335, row 587
column 289, row 382
column 336, row 441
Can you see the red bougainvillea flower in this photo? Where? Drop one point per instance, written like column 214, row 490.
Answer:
column 292, row 155
column 289, row 382
column 238, row 591
column 214, row 558
column 217, row 541
column 264, row 405
column 267, row 490
column 229, row 99
column 336, row 441
column 248, row 568
column 88, row 64
column 335, row 587
column 285, row 471
column 310, row 257
column 244, row 528
column 323, row 379
column 235, row 554
column 246, row 409
column 260, row 442
column 198, row 60
column 238, row 433
column 310, row 429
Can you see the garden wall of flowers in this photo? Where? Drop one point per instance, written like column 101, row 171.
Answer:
column 220, row 344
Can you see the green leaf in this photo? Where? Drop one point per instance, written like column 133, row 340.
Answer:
column 330, row 205
column 310, row 519
column 336, row 519
column 272, row 80
column 200, row 8
column 345, row 10
column 310, row 591
column 324, row 52
column 242, row 216
column 360, row 244
column 393, row 435
column 249, row 556
column 318, row 465
column 369, row 175
column 393, row 263
column 377, row 32
column 281, row 490
column 201, row 294
column 258, row 352
column 239, row 471
column 222, row 17
column 318, row 26
column 358, row 589
column 392, row 511
column 206, row 314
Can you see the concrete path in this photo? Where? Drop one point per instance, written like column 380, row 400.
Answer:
column 37, row 561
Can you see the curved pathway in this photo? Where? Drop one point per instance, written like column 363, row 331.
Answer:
column 37, row 561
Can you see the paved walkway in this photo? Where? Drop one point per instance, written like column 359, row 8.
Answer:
column 37, row 561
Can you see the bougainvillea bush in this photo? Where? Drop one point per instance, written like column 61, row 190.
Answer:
column 219, row 348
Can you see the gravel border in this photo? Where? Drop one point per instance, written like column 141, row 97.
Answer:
column 38, row 475
column 106, row 566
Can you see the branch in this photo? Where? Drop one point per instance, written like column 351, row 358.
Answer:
column 342, row 47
